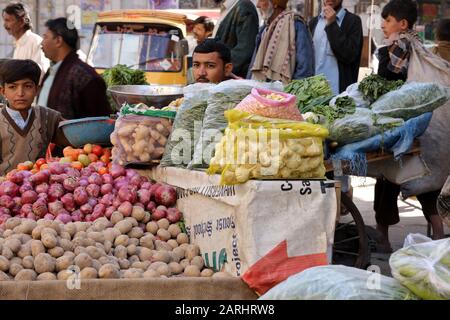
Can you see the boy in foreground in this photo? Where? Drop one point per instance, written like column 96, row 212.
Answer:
column 25, row 130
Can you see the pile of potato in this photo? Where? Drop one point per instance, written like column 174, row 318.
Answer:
column 139, row 139
column 107, row 249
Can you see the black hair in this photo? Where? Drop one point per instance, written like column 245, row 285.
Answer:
column 206, row 22
column 14, row 70
column 214, row 45
column 401, row 9
column 20, row 11
column 443, row 30
column 65, row 29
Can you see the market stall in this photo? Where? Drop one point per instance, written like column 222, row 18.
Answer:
column 231, row 188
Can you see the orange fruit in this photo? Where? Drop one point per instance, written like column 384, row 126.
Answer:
column 87, row 148
column 40, row 162
column 93, row 157
column 65, row 160
column 84, row 159
column 29, row 164
column 22, row 167
column 67, row 150
column 102, row 170
column 105, row 159
column 77, row 165
column 44, row 166
column 97, row 150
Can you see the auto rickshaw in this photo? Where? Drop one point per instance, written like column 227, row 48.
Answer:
column 149, row 40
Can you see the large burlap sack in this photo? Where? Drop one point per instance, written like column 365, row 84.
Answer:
column 261, row 231
column 424, row 66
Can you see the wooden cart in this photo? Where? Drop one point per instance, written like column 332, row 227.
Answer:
column 351, row 242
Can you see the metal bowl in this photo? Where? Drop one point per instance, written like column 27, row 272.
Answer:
column 153, row 96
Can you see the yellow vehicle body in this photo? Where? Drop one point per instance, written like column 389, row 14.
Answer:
column 149, row 19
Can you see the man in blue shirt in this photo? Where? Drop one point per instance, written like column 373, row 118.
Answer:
column 284, row 48
column 338, row 42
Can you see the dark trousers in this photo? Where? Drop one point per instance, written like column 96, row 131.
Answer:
column 385, row 203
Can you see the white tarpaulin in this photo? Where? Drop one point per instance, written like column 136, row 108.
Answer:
column 263, row 231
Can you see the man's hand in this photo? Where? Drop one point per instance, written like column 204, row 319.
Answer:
column 330, row 14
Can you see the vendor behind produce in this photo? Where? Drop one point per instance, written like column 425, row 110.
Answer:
column 25, row 131
column 211, row 62
column 71, row 86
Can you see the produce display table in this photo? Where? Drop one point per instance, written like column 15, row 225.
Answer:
column 130, row 289
column 262, row 231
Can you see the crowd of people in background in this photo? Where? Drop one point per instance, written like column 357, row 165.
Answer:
column 67, row 84
column 283, row 47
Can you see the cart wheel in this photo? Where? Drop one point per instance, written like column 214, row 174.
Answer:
column 351, row 247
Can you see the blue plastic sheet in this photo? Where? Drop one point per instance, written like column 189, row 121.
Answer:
column 396, row 141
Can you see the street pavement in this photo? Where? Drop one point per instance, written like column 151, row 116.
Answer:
column 411, row 219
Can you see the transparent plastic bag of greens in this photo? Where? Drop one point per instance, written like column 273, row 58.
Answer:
column 424, row 268
column 225, row 96
column 411, row 100
column 355, row 127
column 187, row 125
column 338, row 282
column 353, row 92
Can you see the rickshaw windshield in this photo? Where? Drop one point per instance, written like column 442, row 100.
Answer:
column 148, row 48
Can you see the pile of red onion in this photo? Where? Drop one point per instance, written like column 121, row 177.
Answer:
column 68, row 195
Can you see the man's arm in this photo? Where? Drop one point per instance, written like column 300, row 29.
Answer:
column 304, row 65
column 246, row 31
column 346, row 46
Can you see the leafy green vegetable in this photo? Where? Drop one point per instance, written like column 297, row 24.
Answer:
column 121, row 75
column 374, row 86
column 354, row 127
column 320, row 101
column 344, row 106
column 411, row 100
column 308, row 89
